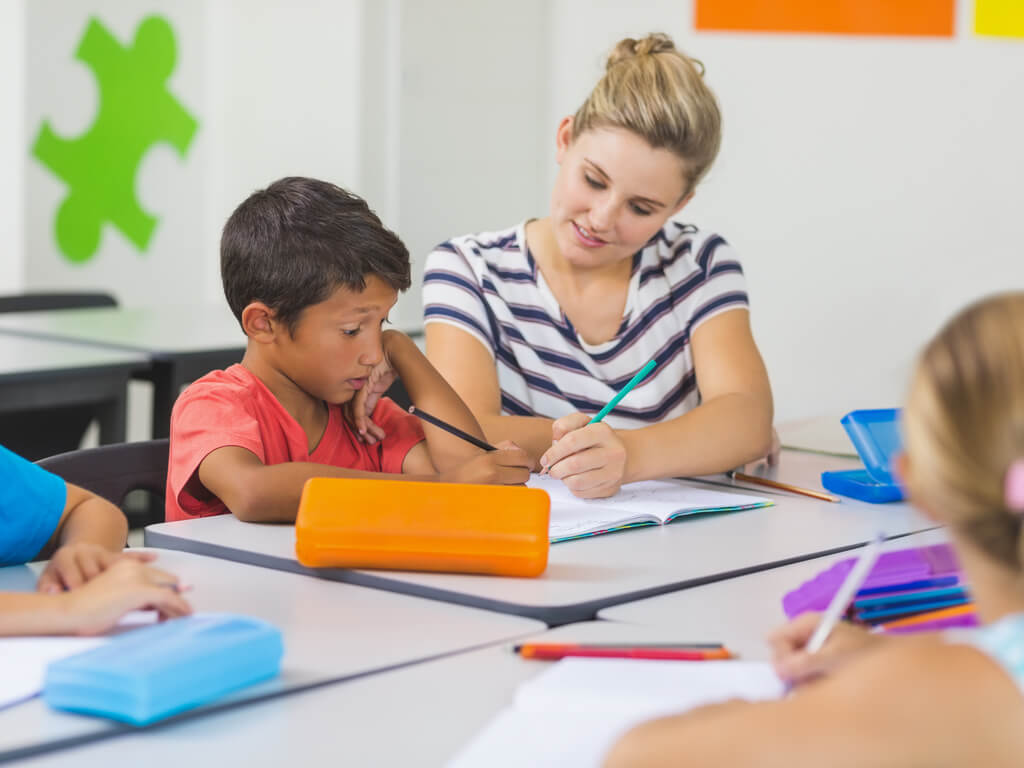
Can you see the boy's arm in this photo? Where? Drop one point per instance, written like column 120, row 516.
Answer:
column 428, row 390
column 464, row 361
column 127, row 585
column 88, row 538
column 257, row 493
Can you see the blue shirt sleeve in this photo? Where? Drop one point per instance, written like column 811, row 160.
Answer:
column 31, row 504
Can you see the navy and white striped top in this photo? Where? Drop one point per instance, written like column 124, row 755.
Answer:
column 489, row 285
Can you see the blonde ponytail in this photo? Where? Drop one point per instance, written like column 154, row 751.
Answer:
column 657, row 92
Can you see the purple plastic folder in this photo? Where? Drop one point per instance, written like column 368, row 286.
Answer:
column 892, row 568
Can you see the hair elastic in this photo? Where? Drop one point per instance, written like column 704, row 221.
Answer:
column 1013, row 490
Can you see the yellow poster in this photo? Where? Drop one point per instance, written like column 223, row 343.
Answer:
column 999, row 18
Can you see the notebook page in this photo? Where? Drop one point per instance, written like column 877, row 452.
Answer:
column 23, row 660
column 571, row 516
column 639, row 687
column 571, row 715
column 517, row 739
column 655, row 500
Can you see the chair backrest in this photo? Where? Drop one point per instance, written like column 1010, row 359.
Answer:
column 29, row 302
column 112, row 471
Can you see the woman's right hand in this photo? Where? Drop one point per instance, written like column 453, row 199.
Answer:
column 509, row 465
column 794, row 664
column 127, row 585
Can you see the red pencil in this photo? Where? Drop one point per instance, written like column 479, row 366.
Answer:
column 668, row 652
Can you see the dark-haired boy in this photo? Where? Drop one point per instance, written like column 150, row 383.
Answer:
column 311, row 273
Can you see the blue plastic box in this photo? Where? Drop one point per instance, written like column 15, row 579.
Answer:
column 876, row 436
column 151, row 673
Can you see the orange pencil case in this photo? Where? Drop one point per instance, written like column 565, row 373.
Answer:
column 410, row 526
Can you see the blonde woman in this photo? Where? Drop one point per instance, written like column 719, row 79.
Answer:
column 538, row 326
column 949, row 699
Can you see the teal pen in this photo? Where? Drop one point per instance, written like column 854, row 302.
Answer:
column 640, row 376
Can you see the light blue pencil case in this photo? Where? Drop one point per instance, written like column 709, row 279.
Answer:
column 151, row 673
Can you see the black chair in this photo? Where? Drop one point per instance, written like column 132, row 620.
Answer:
column 113, row 471
column 41, row 432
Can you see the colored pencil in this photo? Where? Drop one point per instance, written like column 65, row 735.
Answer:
column 640, row 376
column 782, row 486
column 668, row 652
column 450, row 429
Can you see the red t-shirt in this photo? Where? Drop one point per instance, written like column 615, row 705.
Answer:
column 233, row 407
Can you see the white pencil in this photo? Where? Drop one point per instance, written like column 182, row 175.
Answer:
column 851, row 584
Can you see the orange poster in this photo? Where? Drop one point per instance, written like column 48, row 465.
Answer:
column 929, row 18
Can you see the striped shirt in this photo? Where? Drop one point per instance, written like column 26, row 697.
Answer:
column 489, row 285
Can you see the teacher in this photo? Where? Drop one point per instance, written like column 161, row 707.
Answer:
column 538, row 326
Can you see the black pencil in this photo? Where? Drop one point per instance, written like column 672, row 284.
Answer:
column 450, row 429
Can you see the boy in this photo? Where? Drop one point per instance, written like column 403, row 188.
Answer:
column 89, row 582
column 311, row 273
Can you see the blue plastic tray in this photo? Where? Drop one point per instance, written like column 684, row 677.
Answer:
column 151, row 673
column 876, row 436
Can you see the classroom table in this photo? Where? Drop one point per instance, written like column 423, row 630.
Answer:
column 741, row 612
column 420, row 715
column 331, row 632
column 41, row 373
column 586, row 575
column 181, row 342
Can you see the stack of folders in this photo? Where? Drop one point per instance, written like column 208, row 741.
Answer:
column 908, row 590
column 570, row 715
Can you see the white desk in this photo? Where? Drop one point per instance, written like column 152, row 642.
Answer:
column 739, row 612
column 587, row 575
column 419, row 716
column 331, row 632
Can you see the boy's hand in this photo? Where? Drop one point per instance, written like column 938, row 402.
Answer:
column 589, row 458
column 794, row 664
column 127, row 585
column 509, row 465
column 359, row 409
column 74, row 564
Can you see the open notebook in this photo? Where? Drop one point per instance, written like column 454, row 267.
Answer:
column 572, row 713
column 652, row 502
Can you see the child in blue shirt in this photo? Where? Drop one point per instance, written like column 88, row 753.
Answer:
column 89, row 582
column 951, row 699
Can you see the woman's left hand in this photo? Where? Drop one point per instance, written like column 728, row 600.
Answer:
column 589, row 458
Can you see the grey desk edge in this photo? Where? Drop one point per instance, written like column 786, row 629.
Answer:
column 552, row 615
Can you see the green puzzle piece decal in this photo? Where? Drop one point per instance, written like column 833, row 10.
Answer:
column 135, row 112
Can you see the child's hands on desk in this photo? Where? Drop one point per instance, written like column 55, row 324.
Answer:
column 794, row 664
column 74, row 564
column 589, row 458
column 509, row 465
column 127, row 585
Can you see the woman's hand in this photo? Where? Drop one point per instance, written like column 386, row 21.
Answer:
column 589, row 458
column 796, row 665
column 74, row 564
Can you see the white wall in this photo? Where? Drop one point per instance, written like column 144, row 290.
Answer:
column 871, row 186
column 12, row 107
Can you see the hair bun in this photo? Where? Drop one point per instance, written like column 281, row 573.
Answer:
column 656, row 42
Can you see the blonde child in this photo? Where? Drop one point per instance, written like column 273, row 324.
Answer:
column 89, row 582
column 945, row 699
